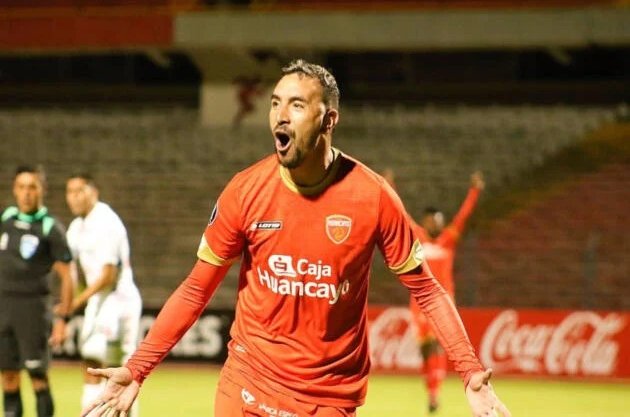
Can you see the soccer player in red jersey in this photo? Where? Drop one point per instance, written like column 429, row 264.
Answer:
column 439, row 245
column 304, row 224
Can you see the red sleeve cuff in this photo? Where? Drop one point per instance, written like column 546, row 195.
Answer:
column 136, row 375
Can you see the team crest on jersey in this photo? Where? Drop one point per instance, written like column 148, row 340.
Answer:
column 213, row 215
column 28, row 246
column 338, row 228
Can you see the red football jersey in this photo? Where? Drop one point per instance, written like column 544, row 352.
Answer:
column 439, row 253
column 300, row 323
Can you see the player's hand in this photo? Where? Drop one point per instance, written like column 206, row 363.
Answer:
column 481, row 397
column 58, row 334
column 76, row 304
column 476, row 180
column 117, row 396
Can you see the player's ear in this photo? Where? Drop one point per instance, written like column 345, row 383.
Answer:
column 331, row 118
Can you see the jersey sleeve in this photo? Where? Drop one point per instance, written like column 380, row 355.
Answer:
column 59, row 248
column 71, row 239
column 437, row 305
column 111, row 243
column 223, row 240
column 451, row 234
column 179, row 313
column 400, row 247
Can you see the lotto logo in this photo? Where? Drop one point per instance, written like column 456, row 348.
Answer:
column 269, row 225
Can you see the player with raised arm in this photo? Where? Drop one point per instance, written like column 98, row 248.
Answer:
column 304, row 224
column 439, row 245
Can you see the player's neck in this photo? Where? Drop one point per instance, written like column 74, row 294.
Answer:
column 315, row 167
column 89, row 209
column 30, row 211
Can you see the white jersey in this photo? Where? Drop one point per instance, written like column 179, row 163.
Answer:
column 111, row 315
column 98, row 240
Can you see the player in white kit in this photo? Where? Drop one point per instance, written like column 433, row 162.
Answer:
column 98, row 240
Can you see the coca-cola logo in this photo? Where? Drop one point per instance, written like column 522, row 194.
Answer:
column 582, row 343
column 393, row 340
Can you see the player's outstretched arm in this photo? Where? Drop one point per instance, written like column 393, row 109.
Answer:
column 440, row 310
column 118, row 395
column 179, row 313
column 481, row 396
column 460, row 219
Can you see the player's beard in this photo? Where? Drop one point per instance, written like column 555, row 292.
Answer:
column 291, row 160
column 295, row 155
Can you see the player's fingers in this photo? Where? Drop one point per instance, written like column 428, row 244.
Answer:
column 91, row 407
column 486, row 406
column 480, row 379
column 113, row 403
column 487, row 374
column 103, row 410
column 125, row 404
column 109, row 412
column 96, row 409
column 56, row 341
column 104, row 372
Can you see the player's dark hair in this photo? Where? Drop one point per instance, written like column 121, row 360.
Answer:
column 430, row 211
column 85, row 176
column 38, row 170
column 326, row 79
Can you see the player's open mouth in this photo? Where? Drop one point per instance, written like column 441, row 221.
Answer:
column 283, row 140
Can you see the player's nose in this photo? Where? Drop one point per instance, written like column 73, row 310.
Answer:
column 282, row 115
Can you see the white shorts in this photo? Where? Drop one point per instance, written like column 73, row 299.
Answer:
column 111, row 325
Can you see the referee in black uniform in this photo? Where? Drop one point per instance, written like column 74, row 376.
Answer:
column 32, row 246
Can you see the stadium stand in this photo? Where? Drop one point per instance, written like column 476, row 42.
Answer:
column 162, row 171
column 575, row 242
column 565, row 238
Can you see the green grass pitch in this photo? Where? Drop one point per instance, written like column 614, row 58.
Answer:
column 189, row 391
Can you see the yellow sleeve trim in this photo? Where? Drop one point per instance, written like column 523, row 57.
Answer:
column 206, row 254
column 415, row 259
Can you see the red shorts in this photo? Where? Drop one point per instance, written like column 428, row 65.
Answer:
column 238, row 396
